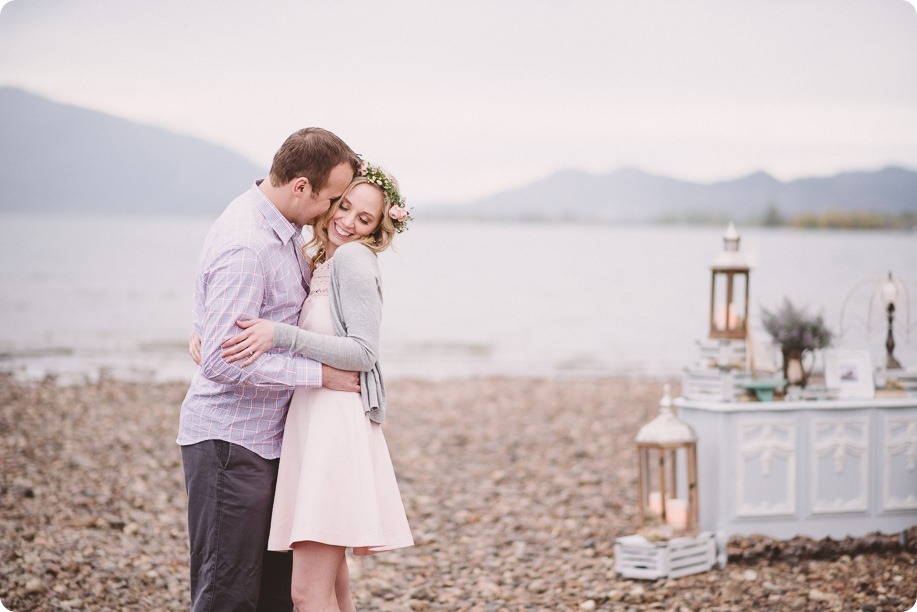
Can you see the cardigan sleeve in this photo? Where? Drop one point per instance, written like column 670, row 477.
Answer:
column 356, row 294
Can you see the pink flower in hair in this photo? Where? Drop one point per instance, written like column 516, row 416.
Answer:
column 398, row 213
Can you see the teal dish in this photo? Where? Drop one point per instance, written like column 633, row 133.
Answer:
column 764, row 389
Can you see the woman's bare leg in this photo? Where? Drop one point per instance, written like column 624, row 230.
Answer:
column 342, row 587
column 315, row 570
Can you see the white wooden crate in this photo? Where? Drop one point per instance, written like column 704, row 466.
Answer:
column 724, row 353
column 637, row 557
column 714, row 384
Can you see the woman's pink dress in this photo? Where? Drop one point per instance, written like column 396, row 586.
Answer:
column 336, row 483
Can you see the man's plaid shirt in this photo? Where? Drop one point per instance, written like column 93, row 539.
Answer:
column 251, row 267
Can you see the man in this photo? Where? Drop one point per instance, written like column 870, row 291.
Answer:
column 231, row 423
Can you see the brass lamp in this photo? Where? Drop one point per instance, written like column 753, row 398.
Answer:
column 890, row 296
column 667, row 472
column 729, row 290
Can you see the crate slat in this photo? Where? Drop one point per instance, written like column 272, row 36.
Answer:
column 637, row 557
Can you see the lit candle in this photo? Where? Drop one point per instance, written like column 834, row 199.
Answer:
column 676, row 510
column 655, row 504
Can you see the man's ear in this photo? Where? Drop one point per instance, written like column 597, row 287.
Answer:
column 302, row 187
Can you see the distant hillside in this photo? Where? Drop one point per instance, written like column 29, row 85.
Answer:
column 633, row 195
column 55, row 158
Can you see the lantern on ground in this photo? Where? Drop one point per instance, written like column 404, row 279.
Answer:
column 667, row 472
column 729, row 290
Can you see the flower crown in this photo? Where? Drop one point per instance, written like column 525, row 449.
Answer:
column 397, row 207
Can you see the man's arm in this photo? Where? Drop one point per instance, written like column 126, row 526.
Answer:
column 332, row 378
column 234, row 288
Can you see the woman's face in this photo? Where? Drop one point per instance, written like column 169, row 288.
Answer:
column 358, row 215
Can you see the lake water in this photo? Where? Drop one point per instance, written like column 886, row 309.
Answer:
column 83, row 295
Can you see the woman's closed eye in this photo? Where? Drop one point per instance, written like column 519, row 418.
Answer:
column 364, row 219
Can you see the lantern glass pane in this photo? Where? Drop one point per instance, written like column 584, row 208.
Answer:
column 737, row 308
column 668, row 479
column 680, row 487
column 719, row 301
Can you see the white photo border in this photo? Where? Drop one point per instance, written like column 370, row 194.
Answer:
column 850, row 372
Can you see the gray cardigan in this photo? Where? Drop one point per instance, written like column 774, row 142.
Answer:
column 355, row 292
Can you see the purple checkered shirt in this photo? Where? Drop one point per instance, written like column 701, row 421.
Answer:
column 250, row 267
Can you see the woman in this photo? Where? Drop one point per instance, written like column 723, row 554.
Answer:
column 336, row 486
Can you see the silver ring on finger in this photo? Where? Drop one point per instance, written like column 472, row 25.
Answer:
column 251, row 352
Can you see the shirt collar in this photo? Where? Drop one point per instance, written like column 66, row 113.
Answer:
column 284, row 229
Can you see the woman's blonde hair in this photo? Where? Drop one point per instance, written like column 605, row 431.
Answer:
column 380, row 239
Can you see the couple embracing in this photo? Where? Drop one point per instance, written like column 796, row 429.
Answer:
column 280, row 431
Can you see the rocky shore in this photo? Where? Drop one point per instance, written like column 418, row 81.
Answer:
column 515, row 490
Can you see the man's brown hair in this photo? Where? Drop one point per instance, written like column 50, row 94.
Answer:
column 312, row 153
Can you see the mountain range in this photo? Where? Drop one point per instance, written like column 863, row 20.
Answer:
column 56, row 157
column 633, row 195
column 61, row 158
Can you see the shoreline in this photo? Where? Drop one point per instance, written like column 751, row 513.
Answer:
column 515, row 489
column 62, row 368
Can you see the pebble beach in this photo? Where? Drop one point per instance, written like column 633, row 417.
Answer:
column 515, row 489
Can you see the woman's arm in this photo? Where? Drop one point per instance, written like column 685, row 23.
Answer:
column 358, row 297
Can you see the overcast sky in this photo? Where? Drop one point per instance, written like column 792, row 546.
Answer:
column 463, row 99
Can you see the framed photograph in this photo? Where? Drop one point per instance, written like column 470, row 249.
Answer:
column 850, row 372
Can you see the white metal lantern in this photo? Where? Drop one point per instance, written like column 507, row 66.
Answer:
column 667, row 472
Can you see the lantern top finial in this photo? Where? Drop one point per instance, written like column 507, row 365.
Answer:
column 731, row 238
column 730, row 258
column 666, row 428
